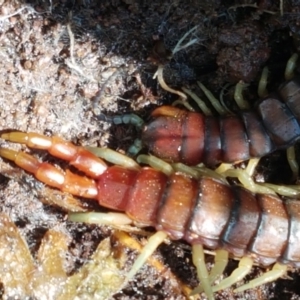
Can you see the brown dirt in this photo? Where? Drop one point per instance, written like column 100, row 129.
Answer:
column 48, row 86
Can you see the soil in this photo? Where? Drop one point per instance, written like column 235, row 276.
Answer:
column 67, row 66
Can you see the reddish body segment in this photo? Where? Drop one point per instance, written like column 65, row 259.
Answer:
column 203, row 211
column 173, row 134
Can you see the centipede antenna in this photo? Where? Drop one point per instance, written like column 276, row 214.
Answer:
column 129, row 119
column 132, row 119
column 262, row 85
column 245, row 266
column 135, row 148
column 290, row 67
column 238, row 95
column 114, row 157
column 277, row 271
column 203, row 107
column 291, row 158
column 199, row 262
column 213, row 100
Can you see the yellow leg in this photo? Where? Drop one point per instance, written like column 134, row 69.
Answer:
column 252, row 164
column 292, row 191
column 183, row 103
column 262, row 85
column 179, row 46
column 221, row 261
column 213, row 100
column 154, row 241
column 238, row 95
column 202, row 105
column 163, row 84
column 238, row 274
column 111, row 218
column 223, row 168
column 155, row 163
column 114, row 157
column 245, row 176
column 199, row 262
column 291, row 157
column 277, row 271
column 290, row 67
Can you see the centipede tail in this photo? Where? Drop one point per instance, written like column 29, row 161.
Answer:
column 202, row 210
column 177, row 135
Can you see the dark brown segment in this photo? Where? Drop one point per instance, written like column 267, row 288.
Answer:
column 193, row 139
column 270, row 241
column 260, row 141
column 243, row 222
column 212, row 142
column 234, row 140
column 145, row 195
column 211, row 213
column 163, row 137
column 292, row 251
column 177, row 205
column 279, row 122
column 290, row 93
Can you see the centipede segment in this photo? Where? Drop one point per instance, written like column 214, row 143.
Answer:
column 178, row 135
column 205, row 211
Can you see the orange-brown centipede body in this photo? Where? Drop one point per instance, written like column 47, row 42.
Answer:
column 202, row 210
column 178, row 135
column 206, row 211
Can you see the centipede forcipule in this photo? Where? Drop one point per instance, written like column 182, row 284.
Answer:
column 203, row 210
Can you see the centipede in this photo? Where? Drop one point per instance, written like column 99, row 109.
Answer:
column 178, row 135
column 204, row 210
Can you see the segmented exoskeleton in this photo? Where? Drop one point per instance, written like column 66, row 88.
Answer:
column 179, row 135
column 203, row 210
